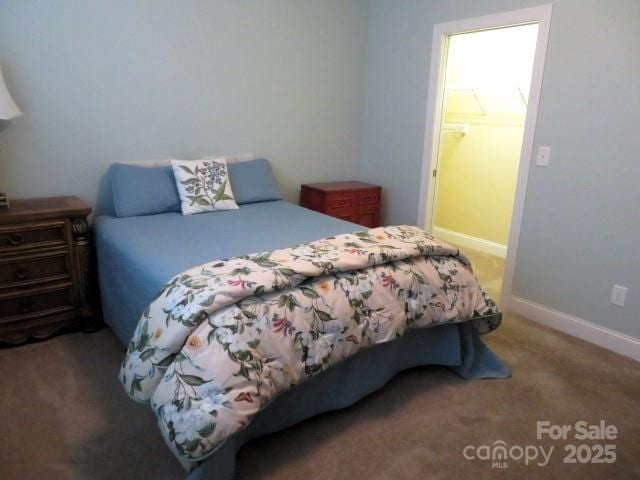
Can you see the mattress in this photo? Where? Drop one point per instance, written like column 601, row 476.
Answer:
column 138, row 255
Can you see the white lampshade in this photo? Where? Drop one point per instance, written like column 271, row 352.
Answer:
column 8, row 108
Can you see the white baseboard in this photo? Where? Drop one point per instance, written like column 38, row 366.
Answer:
column 467, row 241
column 577, row 327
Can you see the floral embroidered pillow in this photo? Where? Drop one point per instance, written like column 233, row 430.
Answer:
column 203, row 185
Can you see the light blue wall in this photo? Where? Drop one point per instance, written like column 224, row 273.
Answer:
column 105, row 81
column 581, row 227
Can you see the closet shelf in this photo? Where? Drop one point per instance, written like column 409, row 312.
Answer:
column 488, row 101
column 462, row 129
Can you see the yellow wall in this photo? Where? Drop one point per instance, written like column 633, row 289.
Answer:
column 477, row 177
column 487, row 83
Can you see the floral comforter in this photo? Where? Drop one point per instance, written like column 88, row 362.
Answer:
column 223, row 339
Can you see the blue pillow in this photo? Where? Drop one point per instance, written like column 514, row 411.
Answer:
column 253, row 181
column 143, row 190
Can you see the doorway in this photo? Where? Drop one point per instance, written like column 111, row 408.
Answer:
column 485, row 83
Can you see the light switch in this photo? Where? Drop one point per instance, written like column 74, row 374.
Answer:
column 542, row 158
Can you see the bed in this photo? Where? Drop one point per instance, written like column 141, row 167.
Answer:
column 138, row 254
column 132, row 271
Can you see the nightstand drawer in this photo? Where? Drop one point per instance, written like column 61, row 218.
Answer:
column 22, row 270
column 340, row 200
column 369, row 198
column 368, row 216
column 347, row 214
column 30, row 235
column 44, row 302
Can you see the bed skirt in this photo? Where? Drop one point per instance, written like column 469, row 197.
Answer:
column 457, row 346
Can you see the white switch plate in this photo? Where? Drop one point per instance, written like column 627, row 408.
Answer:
column 619, row 295
column 542, row 158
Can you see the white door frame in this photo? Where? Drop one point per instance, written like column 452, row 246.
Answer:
column 441, row 32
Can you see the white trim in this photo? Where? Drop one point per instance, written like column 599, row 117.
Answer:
column 441, row 32
column 603, row 337
column 467, row 241
column 435, row 94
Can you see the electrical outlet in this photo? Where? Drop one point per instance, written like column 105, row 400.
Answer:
column 619, row 295
column 542, row 158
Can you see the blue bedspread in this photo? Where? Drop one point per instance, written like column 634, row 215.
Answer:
column 138, row 255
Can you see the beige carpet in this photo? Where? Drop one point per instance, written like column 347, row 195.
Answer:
column 488, row 270
column 64, row 415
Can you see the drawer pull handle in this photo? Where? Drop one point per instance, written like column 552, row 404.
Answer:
column 26, row 306
column 21, row 274
column 16, row 239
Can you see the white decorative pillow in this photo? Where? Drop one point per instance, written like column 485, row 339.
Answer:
column 203, row 185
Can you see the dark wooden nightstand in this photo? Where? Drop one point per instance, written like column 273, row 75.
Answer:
column 355, row 202
column 45, row 268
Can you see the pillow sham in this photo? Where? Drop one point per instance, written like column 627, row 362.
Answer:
column 252, row 181
column 143, row 191
column 203, row 185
